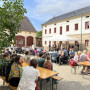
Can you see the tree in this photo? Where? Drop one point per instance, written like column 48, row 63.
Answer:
column 11, row 15
column 39, row 34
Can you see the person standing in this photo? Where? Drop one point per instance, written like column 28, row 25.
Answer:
column 49, row 47
column 78, row 46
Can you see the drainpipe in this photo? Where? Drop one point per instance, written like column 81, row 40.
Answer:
column 81, row 32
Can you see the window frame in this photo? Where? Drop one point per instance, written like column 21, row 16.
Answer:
column 76, row 28
column 67, row 28
column 86, row 42
column 45, row 31
column 55, row 30
column 60, row 30
column 49, row 30
column 86, row 26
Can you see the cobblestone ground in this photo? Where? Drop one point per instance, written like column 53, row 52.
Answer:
column 70, row 81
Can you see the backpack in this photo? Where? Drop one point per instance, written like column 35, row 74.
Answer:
column 73, row 63
column 47, row 65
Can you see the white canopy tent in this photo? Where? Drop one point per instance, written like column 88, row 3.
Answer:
column 61, row 38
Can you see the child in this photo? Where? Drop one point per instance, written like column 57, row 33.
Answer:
column 29, row 76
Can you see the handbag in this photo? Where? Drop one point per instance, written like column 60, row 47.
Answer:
column 73, row 63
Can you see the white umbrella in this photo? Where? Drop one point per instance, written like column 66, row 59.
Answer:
column 61, row 38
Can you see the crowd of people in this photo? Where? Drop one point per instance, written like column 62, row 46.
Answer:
column 18, row 76
column 80, row 57
column 23, row 77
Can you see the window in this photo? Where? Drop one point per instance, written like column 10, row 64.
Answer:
column 45, row 31
column 67, row 28
column 49, row 42
column 60, row 30
column 76, row 26
column 45, row 42
column 54, row 30
column 76, row 43
column 86, row 42
column 50, row 30
column 86, row 25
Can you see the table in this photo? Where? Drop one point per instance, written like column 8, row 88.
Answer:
column 85, row 63
column 44, row 74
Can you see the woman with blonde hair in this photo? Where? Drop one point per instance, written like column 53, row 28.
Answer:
column 83, row 56
column 77, row 56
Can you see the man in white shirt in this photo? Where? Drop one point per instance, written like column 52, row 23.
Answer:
column 29, row 76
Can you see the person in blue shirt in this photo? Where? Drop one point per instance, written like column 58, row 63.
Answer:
column 72, row 53
column 64, row 56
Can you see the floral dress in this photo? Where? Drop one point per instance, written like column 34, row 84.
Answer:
column 16, row 71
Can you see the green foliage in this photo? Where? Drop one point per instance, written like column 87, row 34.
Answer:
column 11, row 15
column 39, row 34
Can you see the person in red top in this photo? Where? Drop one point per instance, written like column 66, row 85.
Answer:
column 48, row 64
column 35, row 50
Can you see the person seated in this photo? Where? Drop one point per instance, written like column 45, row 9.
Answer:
column 87, row 68
column 13, row 54
column 8, row 51
column 41, row 60
column 77, row 56
column 60, row 52
column 48, row 64
column 54, row 56
column 74, row 61
column 27, row 56
column 64, row 56
column 4, row 63
column 8, row 68
column 83, row 57
column 29, row 76
column 16, row 71
column 71, row 53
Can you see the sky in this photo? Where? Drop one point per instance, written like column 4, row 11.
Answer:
column 39, row 11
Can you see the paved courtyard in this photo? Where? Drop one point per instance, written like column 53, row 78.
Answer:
column 70, row 81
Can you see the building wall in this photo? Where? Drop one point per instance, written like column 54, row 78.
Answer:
column 26, row 34
column 84, row 37
column 72, row 32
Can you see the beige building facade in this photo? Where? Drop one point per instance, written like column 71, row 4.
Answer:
column 75, row 24
column 27, row 35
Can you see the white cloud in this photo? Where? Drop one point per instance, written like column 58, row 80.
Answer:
column 46, row 9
